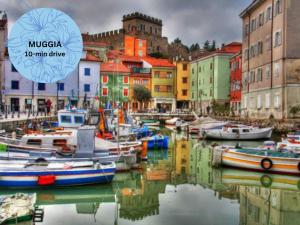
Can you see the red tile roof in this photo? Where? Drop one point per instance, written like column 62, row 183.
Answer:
column 90, row 57
column 158, row 62
column 114, row 67
column 126, row 58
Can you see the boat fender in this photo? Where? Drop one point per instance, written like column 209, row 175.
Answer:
column 266, row 163
column 298, row 166
column 266, row 181
column 46, row 180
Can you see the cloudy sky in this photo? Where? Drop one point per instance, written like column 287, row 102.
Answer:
column 190, row 20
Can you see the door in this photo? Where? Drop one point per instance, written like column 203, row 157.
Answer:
column 14, row 104
column 41, row 105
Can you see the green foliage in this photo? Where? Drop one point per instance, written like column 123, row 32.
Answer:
column 177, row 41
column 295, row 109
column 194, row 47
column 157, row 55
column 141, row 93
column 220, row 109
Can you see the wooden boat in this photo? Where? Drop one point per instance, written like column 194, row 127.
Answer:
column 259, row 160
column 16, row 208
column 238, row 132
column 23, row 174
column 71, row 118
column 157, row 142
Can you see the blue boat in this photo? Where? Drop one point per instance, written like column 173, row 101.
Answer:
column 158, row 142
column 23, row 174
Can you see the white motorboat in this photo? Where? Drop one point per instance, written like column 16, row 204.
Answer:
column 238, row 132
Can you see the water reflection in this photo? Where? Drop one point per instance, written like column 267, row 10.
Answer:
column 178, row 186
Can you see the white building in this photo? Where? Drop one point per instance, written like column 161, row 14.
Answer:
column 21, row 94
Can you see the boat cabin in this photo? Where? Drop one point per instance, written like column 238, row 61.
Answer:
column 50, row 140
column 71, row 118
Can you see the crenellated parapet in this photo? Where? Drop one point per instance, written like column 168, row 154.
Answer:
column 137, row 15
column 103, row 35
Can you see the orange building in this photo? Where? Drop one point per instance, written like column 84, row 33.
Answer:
column 134, row 46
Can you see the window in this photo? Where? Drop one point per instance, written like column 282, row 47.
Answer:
column 184, row 67
column 192, row 70
column 87, row 71
column 169, row 88
column 104, row 79
column 269, row 14
column 267, row 101
column 193, row 83
column 104, row 91
column 268, row 43
column 199, row 69
column 156, row 74
column 41, row 86
column 210, row 92
column 87, row 88
column 15, row 85
column 78, row 119
column 125, row 92
column 60, row 86
column 276, row 69
column 169, row 75
column 246, row 30
column 259, row 75
column 184, row 80
column 193, row 95
column 260, row 47
column 277, row 41
column 268, row 72
column 65, row 119
column 246, row 54
column 140, row 43
column 211, row 66
column 278, row 7
column 245, row 102
column 184, row 92
column 276, row 102
column 156, row 88
column 13, row 68
column 34, row 142
column 125, row 80
column 258, row 102
column 140, row 53
column 252, row 77
column 253, row 25
column 261, row 19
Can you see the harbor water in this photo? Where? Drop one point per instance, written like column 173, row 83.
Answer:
column 177, row 186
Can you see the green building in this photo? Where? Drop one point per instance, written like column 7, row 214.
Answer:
column 115, row 84
column 210, row 78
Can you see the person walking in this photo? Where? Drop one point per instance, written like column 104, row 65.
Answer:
column 48, row 106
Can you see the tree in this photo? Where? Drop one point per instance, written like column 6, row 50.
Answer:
column 177, row 41
column 213, row 46
column 141, row 93
column 206, row 45
column 295, row 110
column 156, row 55
column 194, row 47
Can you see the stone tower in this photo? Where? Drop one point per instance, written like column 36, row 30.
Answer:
column 3, row 39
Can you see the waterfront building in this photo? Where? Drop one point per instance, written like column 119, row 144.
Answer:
column 182, row 91
column 162, row 84
column 210, row 78
column 21, row 94
column 3, row 39
column 236, row 83
column 138, row 76
column 271, row 58
column 115, row 82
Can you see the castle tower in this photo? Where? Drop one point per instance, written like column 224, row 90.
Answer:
column 3, row 39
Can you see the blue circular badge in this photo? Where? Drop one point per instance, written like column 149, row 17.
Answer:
column 45, row 45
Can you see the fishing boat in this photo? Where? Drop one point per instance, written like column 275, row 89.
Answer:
column 259, row 160
column 16, row 208
column 238, row 132
column 24, row 174
column 68, row 118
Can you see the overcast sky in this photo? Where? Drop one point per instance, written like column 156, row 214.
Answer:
column 190, row 20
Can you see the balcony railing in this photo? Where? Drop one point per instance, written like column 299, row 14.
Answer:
column 141, row 70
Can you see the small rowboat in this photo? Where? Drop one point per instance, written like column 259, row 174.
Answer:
column 260, row 160
column 23, row 174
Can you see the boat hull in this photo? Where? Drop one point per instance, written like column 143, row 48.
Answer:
column 220, row 134
column 29, row 179
column 283, row 165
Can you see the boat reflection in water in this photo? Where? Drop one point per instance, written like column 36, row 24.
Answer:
column 178, row 186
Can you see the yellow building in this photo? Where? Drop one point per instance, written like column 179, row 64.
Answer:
column 182, row 92
column 182, row 157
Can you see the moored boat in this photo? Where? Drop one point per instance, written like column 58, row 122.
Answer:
column 16, row 208
column 157, row 142
column 23, row 174
column 259, row 160
column 150, row 122
column 238, row 132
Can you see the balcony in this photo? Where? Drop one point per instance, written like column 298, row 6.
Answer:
column 141, row 70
